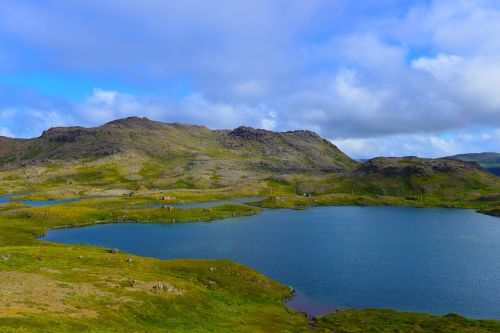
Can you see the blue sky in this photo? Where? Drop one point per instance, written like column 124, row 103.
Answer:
column 375, row 77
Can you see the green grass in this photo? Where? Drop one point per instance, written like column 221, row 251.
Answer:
column 7, row 159
column 31, row 154
column 98, row 291
column 93, row 286
column 344, row 199
column 378, row 320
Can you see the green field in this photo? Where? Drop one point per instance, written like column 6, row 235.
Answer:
column 49, row 287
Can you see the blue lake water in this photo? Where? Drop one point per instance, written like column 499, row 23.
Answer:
column 34, row 203
column 426, row 260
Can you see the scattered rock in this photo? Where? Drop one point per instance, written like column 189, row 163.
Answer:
column 129, row 260
column 6, row 257
column 212, row 269
column 159, row 287
column 114, row 251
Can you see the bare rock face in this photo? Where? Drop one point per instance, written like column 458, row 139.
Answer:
column 249, row 133
column 65, row 135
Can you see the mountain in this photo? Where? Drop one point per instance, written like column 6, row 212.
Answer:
column 410, row 176
column 136, row 152
column 140, row 151
column 489, row 161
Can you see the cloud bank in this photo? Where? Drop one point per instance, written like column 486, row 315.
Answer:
column 377, row 78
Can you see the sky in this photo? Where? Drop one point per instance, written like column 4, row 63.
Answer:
column 376, row 77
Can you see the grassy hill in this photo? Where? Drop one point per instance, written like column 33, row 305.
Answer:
column 48, row 287
column 408, row 181
column 133, row 152
column 409, row 176
column 139, row 154
column 489, row 161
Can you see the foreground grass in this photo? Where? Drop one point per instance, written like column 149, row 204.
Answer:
column 69, row 289
column 379, row 320
column 48, row 287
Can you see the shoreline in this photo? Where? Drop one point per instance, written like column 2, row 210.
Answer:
column 294, row 301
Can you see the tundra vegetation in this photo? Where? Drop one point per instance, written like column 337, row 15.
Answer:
column 122, row 170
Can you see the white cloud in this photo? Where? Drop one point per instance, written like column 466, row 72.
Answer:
column 421, row 144
column 391, row 82
column 443, row 66
column 103, row 106
column 5, row 132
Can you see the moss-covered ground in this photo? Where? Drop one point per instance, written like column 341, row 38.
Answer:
column 48, row 287
column 58, row 288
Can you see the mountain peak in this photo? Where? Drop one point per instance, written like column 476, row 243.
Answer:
column 130, row 121
column 246, row 132
column 182, row 145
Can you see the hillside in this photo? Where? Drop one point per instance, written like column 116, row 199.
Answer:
column 136, row 151
column 397, row 181
column 489, row 161
column 86, row 288
column 410, row 176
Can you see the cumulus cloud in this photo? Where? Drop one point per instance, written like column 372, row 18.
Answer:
column 445, row 144
column 381, row 77
column 105, row 105
column 29, row 122
column 5, row 132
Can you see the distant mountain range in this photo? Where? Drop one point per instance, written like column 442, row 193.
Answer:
column 489, row 161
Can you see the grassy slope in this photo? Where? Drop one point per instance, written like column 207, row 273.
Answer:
column 394, row 181
column 56, row 287
column 51, row 287
column 132, row 152
column 489, row 161
column 377, row 320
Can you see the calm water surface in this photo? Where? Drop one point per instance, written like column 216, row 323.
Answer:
column 427, row 260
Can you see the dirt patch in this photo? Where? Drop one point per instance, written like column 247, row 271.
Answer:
column 157, row 288
column 130, row 284
column 24, row 293
column 49, row 270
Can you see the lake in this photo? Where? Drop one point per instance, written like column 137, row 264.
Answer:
column 426, row 260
